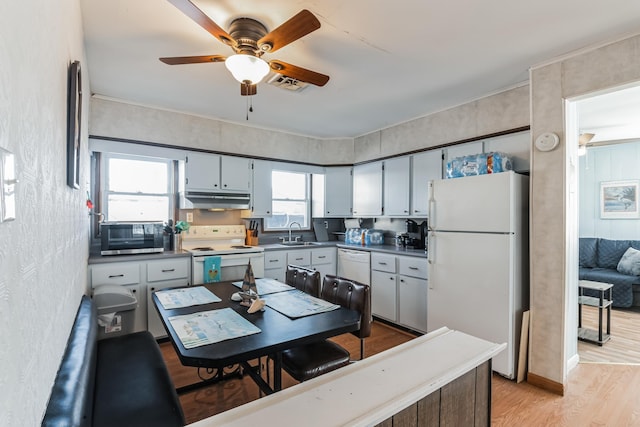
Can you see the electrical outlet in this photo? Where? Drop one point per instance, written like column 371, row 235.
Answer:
column 189, row 216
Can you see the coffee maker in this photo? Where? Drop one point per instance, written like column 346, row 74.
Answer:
column 416, row 234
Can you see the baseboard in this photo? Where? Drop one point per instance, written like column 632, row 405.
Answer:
column 573, row 362
column 545, row 383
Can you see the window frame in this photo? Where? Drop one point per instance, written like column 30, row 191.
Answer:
column 104, row 180
column 306, row 200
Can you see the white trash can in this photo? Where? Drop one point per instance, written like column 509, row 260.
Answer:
column 116, row 307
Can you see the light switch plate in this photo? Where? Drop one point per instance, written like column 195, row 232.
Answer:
column 189, row 216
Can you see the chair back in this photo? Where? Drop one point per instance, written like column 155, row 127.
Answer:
column 350, row 294
column 304, row 279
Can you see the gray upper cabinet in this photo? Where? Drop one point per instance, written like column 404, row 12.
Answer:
column 235, row 173
column 367, row 189
column 397, row 186
column 261, row 199
column 202, row 172
column 425, row 167
column 207, row 172
column 332, row 192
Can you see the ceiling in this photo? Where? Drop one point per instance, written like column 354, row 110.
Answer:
column 389, row 62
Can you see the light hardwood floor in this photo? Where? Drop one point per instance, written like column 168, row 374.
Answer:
column 597, row 394
column 624, row 345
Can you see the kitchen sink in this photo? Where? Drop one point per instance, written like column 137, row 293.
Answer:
column 299, row 243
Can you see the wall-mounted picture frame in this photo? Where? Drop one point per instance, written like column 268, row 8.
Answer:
column 74, row 119
column 619, row 199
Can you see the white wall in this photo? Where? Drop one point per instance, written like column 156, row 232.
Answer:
column 618, row 162
column 552, row 333
column 43, row 253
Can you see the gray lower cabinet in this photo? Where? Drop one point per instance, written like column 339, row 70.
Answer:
column 321, row 259
column 275, row 265
column 142, row 278
column 399, row 289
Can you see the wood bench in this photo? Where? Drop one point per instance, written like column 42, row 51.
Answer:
column 120, row 381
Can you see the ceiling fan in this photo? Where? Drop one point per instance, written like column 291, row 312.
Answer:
column 250, row 40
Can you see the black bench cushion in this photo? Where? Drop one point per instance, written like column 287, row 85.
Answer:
column 72, row 393
column 135, row 387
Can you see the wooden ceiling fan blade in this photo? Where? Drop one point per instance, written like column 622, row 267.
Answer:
column 247, row 89
column 192, row 11
column 299, row 73
column 179, row 60
column 298, row 26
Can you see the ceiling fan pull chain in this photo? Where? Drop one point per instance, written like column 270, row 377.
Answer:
column 251, row 104
column 247, row 108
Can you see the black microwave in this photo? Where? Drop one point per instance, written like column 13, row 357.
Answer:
column 120, row 238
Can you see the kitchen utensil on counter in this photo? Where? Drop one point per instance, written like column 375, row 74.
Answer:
column 401, row 240
column 412, row 226
column 322, row 235
column 252, row 233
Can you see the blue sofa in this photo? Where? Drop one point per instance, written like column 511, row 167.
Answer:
column 599, row 259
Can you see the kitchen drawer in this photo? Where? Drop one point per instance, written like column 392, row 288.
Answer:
column 126, row 273
column 168, row 269
column 383, row 262
column 412, row 266
column 299, row 257
column 275, row 259
column 323, row 256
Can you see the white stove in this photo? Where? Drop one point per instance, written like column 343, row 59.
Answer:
column 217, row 240
column 227, row 242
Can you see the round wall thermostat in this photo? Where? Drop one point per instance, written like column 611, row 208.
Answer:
column 547, row 141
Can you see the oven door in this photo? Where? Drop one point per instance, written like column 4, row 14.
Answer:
column 232, row 267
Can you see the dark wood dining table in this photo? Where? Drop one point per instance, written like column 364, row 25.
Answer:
column 277, row 333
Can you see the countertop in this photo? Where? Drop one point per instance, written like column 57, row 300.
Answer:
column 370, row 391
column 391, row 249
column 96, row 258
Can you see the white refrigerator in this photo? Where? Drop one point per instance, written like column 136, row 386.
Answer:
column 478, row 259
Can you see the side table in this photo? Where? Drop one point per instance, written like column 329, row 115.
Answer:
column 603, row 302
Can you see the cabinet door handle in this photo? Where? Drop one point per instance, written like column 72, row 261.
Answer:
column 299, row 259
column 113, row 276
column 413, row 268
column 382, row 263
column 322, row 256
column 402, row 280
column 168, row 270
column 273, row 260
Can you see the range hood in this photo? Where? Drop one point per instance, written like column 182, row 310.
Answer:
column 214, row 200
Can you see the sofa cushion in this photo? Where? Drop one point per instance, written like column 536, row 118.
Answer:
column 588, row 254
column 610, row 251
column 630, row 262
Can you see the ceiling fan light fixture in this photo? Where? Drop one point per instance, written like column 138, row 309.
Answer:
column 247, row 68
column 582, row 150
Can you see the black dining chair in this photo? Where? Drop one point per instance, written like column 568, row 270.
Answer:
column 311, row 360
column 304, row 279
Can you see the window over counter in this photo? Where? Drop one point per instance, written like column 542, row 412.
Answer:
column 291, row 200
column 136, row 188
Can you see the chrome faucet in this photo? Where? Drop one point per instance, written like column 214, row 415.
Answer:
column 290, row 227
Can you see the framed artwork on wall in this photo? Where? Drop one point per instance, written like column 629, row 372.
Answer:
column 619, row 199
column 74, row 116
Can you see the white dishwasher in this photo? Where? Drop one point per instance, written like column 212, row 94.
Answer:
column 354, row 265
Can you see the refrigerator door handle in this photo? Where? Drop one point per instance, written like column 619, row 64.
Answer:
column 431, row 209
column 432, row 246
